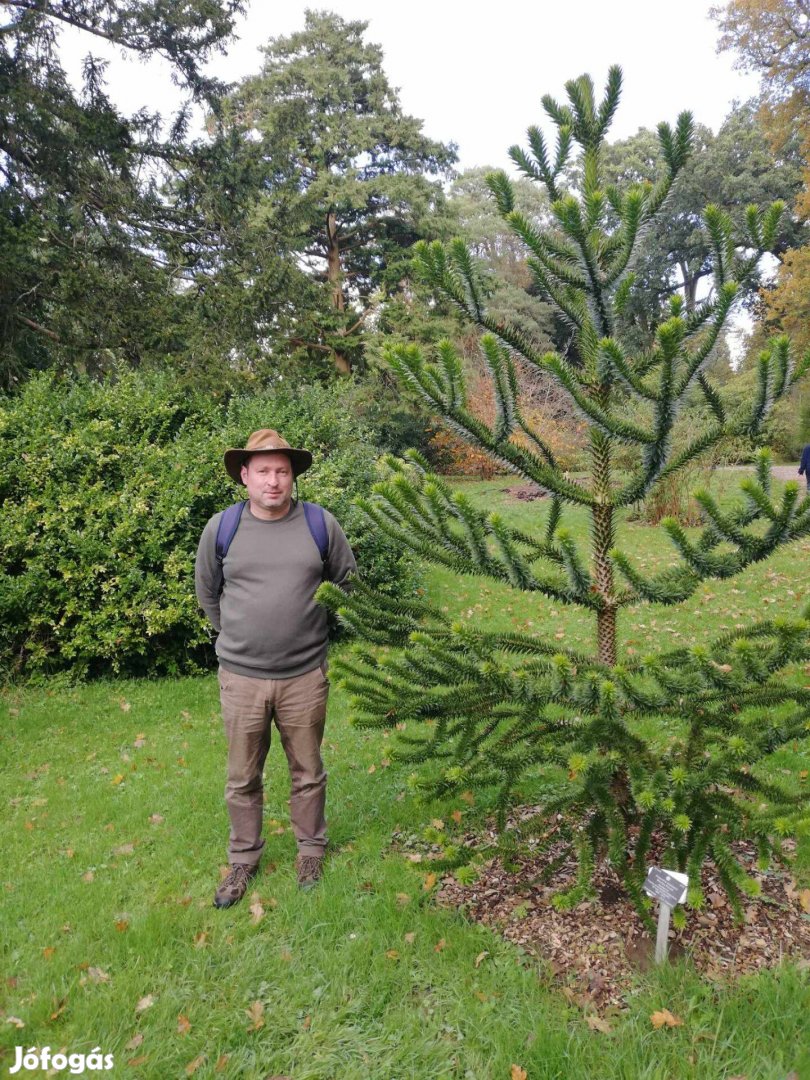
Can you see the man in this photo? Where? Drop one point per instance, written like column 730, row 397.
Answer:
column 804, row 465
column 271, row 645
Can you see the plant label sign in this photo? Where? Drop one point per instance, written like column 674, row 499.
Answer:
column 668, row 886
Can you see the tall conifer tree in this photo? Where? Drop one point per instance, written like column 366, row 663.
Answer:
column 660, row 750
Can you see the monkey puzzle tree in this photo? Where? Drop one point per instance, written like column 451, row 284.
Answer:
column 664, row 751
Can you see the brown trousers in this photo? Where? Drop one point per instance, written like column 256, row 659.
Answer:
column 298, row 706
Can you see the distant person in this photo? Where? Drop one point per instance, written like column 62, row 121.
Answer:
column 258, row 567
column 804, row 465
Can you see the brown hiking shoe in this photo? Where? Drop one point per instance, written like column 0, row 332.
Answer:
column 235, row 885
column 308, row 870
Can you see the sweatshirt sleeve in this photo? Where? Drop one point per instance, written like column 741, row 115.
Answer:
column 340, row 562
column 207, row 575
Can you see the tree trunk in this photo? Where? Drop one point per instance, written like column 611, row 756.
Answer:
column 334, row 275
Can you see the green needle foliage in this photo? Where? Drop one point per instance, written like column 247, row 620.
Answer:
column 661, row 754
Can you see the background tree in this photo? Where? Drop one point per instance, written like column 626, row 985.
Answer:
column 80, row 209
column 345, row 173
column 665, row 750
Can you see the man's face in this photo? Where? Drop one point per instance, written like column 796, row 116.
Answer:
column 268, row 478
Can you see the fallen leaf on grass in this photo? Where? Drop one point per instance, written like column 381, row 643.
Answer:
column 439, row 946
column 481, row 957
column 456, row 816
column 156, row 819
column 596, row 1023
column 403, row 899
column 60, row 1008
column 391, row 954
column 48, row 952
column 517, row 1073
column 136, row 1061
column 124, row 849
column 307, row 1023
column 192, row 1066
column 125, row 705
column 119, row 779
column 256, row 910
column 804, row 899
column 88, row 877
column 201, row 939
column 428, row 882
column 134, row 1042
column 145, row 1003
column 256, row 1014
column 15, row 1021
column 122, row 925
column 437, row 823
column 183, row 1025
column 97, row 975
column 140, row 740
column 664, row 1018
column 372, row 768
column 410, row 938
column 222, row 1061
column 467, row 797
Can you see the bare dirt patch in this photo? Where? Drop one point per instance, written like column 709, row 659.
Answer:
column 593, row 950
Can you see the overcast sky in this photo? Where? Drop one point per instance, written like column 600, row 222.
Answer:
column 475, row 73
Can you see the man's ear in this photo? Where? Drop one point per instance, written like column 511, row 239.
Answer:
column 243, row 472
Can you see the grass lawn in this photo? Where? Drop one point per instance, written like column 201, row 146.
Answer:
column 115, row 828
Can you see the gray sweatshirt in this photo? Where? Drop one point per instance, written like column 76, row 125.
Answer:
column 268, row 623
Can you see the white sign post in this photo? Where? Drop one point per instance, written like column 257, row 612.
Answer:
column 668, row 887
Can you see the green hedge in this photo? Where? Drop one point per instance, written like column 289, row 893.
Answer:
column 105, row 489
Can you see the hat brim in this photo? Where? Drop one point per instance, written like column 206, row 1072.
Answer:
column 236, row 458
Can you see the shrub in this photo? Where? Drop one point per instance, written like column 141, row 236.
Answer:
column 106, row 488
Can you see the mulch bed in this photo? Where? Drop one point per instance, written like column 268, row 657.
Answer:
column 525, row 492
column 593, row 950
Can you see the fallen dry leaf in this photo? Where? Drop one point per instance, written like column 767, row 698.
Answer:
column 15, row 1021
column 403, row 899
column 183, row 1025
column 372, row 768
column 456, row 816
column 156, row 819
column 124, row 849
column 467, row 797
column 140, row 740
column 88, row 877
column 439, row 946
column 222, row 1061
column 392, row 954
column 97, row 975
column 437, row 823
column 134, row 1042
column 256, row 910
column 517, row 1073
column 60, row 1008
column 136, row 1061
column 804, row 899
column 596, row 1023
column 122, row 925
column 192, row 1066
column 428, row 882
column 307, row 1023
column 481, row 957
column 118, row 779
column 256, row 1014
column 201, row 939
column 410, row 938
column 125, row 705
column 145, row 1003
column 48, row 951
column 664, row 1018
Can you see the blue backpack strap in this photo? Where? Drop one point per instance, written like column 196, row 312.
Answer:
column 226, row 530
column 316, row 520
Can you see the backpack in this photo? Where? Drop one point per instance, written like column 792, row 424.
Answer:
column 229, row 523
